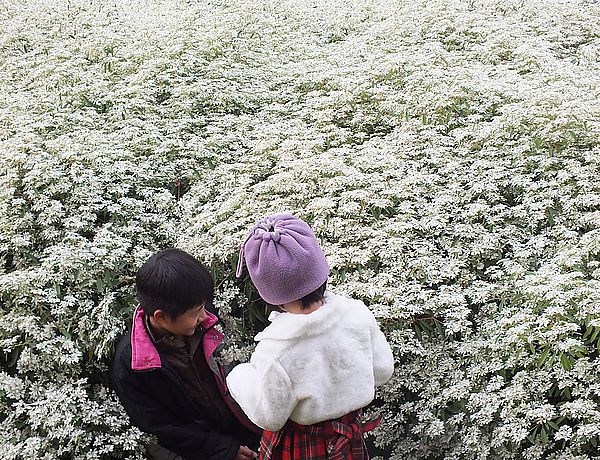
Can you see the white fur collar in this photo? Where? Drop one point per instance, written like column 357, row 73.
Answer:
column 290, row 326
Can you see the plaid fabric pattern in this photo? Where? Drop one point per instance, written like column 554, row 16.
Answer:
column 339, row 439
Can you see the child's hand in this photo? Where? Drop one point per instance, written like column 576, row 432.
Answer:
column 244, row 454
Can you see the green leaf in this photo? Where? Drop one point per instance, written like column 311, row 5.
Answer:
column 426, row 326
column 544, row 435
column 64, row 332
column 565, row 361
column 533, row 436
column 578, row 351
column 14, row 357
column 419, row 334
column 543, row 357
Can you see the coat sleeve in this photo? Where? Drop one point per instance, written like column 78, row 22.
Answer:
column 383, row 359
column 264, row 392
column 192, row 439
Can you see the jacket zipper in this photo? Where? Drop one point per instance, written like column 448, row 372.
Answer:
column 177, row 380
column 229, row 401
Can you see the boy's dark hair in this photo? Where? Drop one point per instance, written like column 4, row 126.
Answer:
column 315, row 296
column 173, row 281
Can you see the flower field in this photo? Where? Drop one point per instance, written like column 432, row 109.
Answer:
column 446, row 153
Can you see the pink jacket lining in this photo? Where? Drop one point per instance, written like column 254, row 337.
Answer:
column 144, row 355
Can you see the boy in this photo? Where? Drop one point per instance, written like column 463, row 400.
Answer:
column 317, row 364
column 165, row 372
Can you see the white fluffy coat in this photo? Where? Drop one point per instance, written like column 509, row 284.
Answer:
column 313, row 367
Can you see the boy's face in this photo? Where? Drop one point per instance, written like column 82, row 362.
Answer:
column 185, row 324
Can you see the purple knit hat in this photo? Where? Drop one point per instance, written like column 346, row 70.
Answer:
column 284, row 259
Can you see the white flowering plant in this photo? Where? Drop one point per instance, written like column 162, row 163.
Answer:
column 446, row 153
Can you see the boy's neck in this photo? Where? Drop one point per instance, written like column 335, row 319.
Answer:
column 156, row 331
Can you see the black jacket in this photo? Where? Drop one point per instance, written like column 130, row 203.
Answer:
column 156, row 402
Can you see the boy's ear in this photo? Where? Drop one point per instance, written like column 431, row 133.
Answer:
column 159, row 316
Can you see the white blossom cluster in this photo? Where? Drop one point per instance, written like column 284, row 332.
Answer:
column 446, row 153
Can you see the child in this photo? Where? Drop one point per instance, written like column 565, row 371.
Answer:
column 165, row 372
column 317, row 364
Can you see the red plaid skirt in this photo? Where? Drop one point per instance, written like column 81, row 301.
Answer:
column 339, row 439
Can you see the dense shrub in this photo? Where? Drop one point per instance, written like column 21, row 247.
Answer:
column 446, row 154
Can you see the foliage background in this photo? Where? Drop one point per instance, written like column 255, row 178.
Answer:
column 445, row 152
